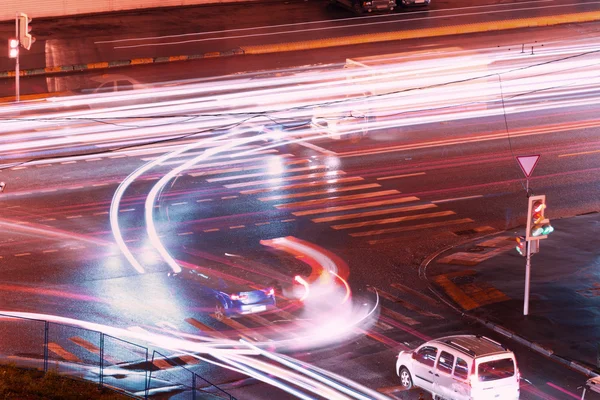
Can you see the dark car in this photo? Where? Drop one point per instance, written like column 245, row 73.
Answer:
column 223, row 298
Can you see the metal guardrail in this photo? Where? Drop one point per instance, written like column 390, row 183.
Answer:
column 94, row 356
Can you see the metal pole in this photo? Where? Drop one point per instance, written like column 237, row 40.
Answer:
column 17, row 88
column 101, row 377
column 46, row 328
column 527, row 279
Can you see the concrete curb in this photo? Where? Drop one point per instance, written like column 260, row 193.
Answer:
column 118, row 64
column 521, row 23
column 546, row 352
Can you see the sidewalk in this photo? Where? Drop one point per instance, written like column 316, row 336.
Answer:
column 485, row 278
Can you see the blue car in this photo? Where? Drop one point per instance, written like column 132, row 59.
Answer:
column 224, row 299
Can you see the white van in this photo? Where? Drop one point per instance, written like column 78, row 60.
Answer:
column 462, row 367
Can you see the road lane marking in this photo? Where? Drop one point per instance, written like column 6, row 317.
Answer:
column 455, row 293
column 228, row 197
column 404, row 303
column 234, row 161
column 56, row 349
column 203, row 200
column 93, row 159
column 457, row 199
column 383, row 178
column 373, row 213
column 205, row 328
column 47, row 219
column 74, row 216
column 17, row 168
column 75, row 187
column 328, row 174
column 100, row 213
column 211, row 230
column 406, row 329
column 409, row 228
column 258, row 174
column 127, row 210
column 262, row 223
column 68, row 162
column 320, row 192
column 415, row 293
column 237, row 226
column 92, row 348
column 50, row 251
column 22, row 254
column 179, row 204
column 43, row 165
column 288, row 220
column 573, row 395
column 99, row 184
column 397, row 316
column 243, row 330
column 355, row 206
column 393, row 220
column 579, row 154
column 337, row 198
column 383, row 339
column 303, row 185
column 185, row 233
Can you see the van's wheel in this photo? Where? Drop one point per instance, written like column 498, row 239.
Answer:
column 219, row 311
column 405, row 378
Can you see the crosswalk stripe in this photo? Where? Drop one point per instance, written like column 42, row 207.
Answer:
column 414, row 292
column 382, row 339
column 337, row 198
column 393, row 220
column 373, row 213
column 244, row 330
column 328, row 174
column 205, row 328
column 409, row 228
column 257, row 174
column 355, row 206
column 57, row 349
column 268, row 324
column 253, row 167
column 404, row 303
column 92, row 348
column 320, row 192
column 383, row 178
column 397, row 316
column 407, row 329
column 302, row 185
column 232, row 161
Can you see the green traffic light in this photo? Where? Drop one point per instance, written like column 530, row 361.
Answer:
column 548, row 229
column 537, row 231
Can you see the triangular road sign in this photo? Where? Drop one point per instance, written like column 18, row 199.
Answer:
column 528, row 163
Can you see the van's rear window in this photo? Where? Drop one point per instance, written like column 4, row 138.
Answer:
column 497, row 369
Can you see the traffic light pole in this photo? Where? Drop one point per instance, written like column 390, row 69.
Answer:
column 17, row 83
column 527, row 278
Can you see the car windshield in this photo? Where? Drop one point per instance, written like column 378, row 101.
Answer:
column 497, row 369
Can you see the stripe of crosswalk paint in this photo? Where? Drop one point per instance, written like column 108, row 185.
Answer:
column 355, row 206
column 261, row 165
column 328, row 174
column 205, row 328
column 383, row 339
column 244, row 330
column 414, row 292
column 406, row 329
column 393, row 220
column 397, row 316
column 92, row 348
column 456, row 294
column 383, row 178
column 337, row 198
column 320, row 192
column 57, row 349
column 233, row 161
column 268, row 324
column 303, row 185
column 257, row 174
column 189, row 359
column 404, row 303
column 410, row 228
column 162, row 363
column 373, row 213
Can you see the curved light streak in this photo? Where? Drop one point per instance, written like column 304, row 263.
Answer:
column 301, row 281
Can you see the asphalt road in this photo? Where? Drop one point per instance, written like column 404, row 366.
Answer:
column 449, row 159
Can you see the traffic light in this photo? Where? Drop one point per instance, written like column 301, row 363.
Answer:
column 538, row 226
column 13, row 48
column 521, row 245
column 25, row 37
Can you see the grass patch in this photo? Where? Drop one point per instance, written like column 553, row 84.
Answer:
column 30, row 384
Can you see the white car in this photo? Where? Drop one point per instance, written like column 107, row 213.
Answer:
column 462, row 367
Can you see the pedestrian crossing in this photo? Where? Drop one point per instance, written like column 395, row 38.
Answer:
column 368, row 208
